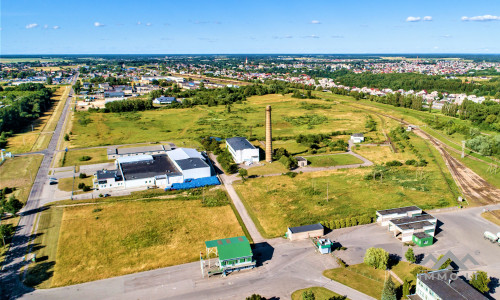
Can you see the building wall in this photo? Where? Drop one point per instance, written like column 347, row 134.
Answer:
column 304, row 235
column 196, row 173
column 357, row 139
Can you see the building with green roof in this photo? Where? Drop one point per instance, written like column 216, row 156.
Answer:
column 233, row 254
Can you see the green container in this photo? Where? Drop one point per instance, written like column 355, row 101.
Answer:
column 423, row 239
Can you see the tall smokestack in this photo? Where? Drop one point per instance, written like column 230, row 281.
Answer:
column 269, row 136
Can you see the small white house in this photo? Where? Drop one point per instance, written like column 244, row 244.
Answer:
column 164, row 100
column 242, row 151
column 357, row 138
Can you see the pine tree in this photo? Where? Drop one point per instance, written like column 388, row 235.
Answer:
column 389, row 291
column 410, row 255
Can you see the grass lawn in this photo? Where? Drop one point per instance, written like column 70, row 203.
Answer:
column 45, row 248
column 3, row 248
column 381, row 154
column 403, row 270
column 492, row 216
column 291, row 146
column 267, row 168
column 117, row 238
column 320, row 293
column 360, row 277
column 15, row 172
column 333, row 160
column 97, row 155
column 66, row 184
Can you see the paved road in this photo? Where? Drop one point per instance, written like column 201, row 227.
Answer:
column 11, row 286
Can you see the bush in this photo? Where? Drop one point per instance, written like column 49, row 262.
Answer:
column 393, row 163
column 86, row 188
column 290, row 174
column 85, row 158
column 81, row 185
column 377, row 258
column 340, row 262
column 411, row 162
column 82, row 176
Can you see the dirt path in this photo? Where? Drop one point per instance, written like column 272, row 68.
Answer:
column 473, row 186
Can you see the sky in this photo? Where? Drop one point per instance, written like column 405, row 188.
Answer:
column 240, row 27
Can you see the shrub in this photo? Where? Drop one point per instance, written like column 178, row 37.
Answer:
column 81, row 185
column 86, row 188
column 82, row 176
column 410, row 162
column 85, row 158
column 340, row 262
column 393, row 163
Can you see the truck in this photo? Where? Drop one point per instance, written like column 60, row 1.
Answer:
column 490, row 236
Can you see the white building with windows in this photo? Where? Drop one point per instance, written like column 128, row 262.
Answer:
column 242, row 151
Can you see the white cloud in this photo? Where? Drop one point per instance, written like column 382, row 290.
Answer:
column 45, row 26
column 148, row 24
column 139, row 23
column 427, row 18
column 98, row 24
column 56, row 27
column 30, row 26
column 446, row 36
column 312, row 36
column 413, row 19
column 481, row 18
column 315, row 22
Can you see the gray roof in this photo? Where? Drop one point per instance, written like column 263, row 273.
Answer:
column 191, row 163
column 407, row 220
column 357, row 135
column 421, row 235
column 160, row 165
column 144, row 149
column 300, row 158
column 415, row 225
column 448, row 285
column 306, row 228
column 239, row 143
column 165, row 99
column 400, row 210
column 107, row 174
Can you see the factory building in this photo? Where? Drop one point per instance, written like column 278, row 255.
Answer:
column 242, row 151
column 159, row 170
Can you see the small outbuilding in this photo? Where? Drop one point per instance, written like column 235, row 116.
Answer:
column 357, row 138
column 233, row 254
column 242, row 151
column 305, row 232
column 164, row 100
column 422, row 239
column 301, row 162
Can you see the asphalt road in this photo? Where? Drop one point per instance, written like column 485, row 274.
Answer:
column 11, row 285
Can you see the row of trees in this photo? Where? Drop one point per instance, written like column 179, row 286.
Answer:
column 24, row 104
column 128, row 105
column 347, row 222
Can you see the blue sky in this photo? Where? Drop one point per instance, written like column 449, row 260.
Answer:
column 272, row 26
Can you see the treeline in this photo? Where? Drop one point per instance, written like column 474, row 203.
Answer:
column 486, row 115
column 24, row 103
column 348, row 222
column 396, row 99
column 413, row 81
column 128, row 105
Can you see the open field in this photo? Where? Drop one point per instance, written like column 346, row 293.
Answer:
column 45, row 248
column 333, row 160
column 267, row 168
column 360, row 277
column 291, row 117
column 381, row 154
column 39, row 138
column 19, row 172
column 73, row 157
column 66, row 184
column 320, row 293
column 492, row 216
column 117, row 238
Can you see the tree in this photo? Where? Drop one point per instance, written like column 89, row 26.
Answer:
column 308, row 295
column 243, row 173
column 49, row 80
column 13, row 205
column 480, row 281
column 406, row 288
column 81, row 185
column 66, row 137
column 6, row 231
column 377, row 258
column 82, row 176
column 255, row 297
column 389, row 291
column 410, row 255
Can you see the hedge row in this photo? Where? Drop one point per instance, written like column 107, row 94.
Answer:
column 348, row 222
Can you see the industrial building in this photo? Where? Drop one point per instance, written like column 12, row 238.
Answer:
column 301, row 162
column 232, row 254
column 443, row 284
column 159, row 170
column 114, row 153
column 242, row 151
column 305, row 232
column 409, row 224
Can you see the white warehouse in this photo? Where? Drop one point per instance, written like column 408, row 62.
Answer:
column 242, row 151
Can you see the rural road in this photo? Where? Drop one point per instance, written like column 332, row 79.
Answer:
column 11, row 286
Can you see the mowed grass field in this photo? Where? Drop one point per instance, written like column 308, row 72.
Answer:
column 73, row 157
column 274, row 203
column 320, row 293
column 66, row 184
column 117, row 238
column 291, row 117
column 333, row 160
column 15, row 173
column 492, row 216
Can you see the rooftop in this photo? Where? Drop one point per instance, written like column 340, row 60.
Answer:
column 191, row 163
column 239, row 143
column 306, row 228
column 415, row 225
column 160, row 165
column 407, row 220
column 145, row 149
column 400, row 210
column 357, row 135
column 447, row 285
column 421, row 235
column 300, row 158
column 107, row 174
column 231, row 248
column 184, row 153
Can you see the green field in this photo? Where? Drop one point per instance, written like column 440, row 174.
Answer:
column 66, row 184
column 267, row 168
column 290, row 118
column 116, row 238
column 274, row 203
column 18, row 172
column 320, row 293
column 492, row 216
column 74, row 157
column 333, row 160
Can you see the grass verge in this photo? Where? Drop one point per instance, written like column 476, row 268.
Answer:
column 333, row 160
column 320, row 293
